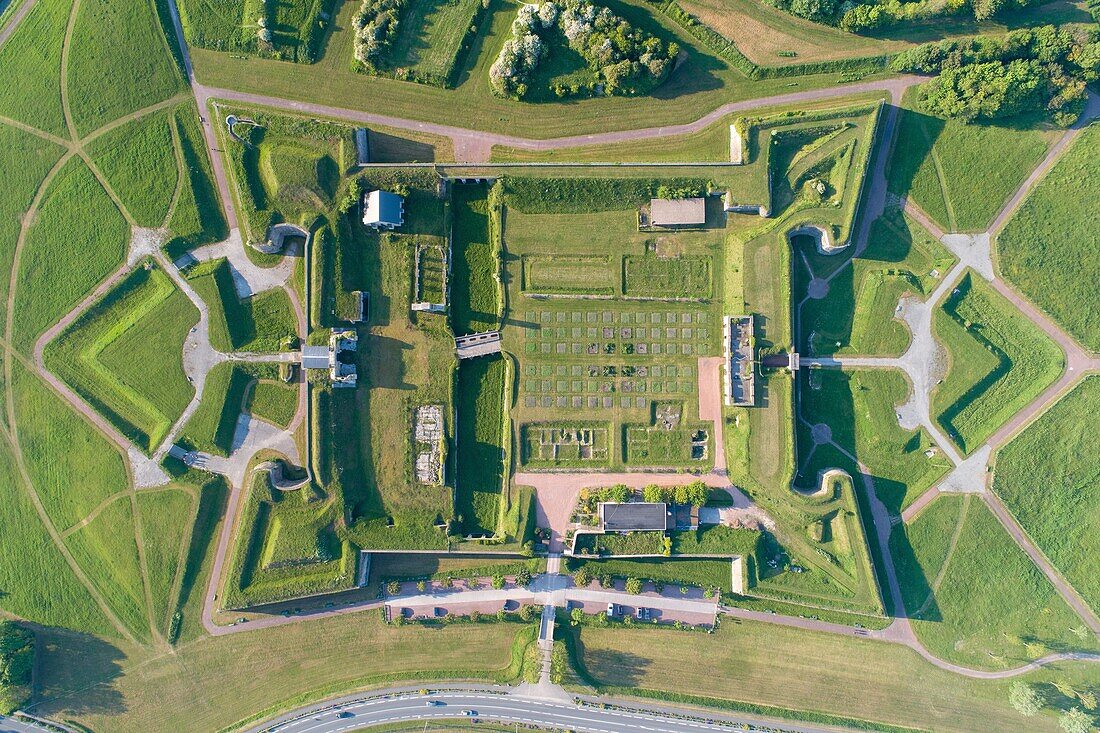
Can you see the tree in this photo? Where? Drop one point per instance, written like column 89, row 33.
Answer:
column 576, row 616
column 582, row 578
column 653, row 494
column 393, row 587
column 633, row 586
column 1025, row 699
column 1076, row 721
column 498, row 581
column 523, row 577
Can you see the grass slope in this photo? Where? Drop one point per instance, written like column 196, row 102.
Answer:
column 1048, row 476
column 481, row 394
column 198, row 217
column 37, row 583
column 257, row 323
column 474, row 290
column 25, row 160
column 998, row 362
column 78, row 238
column 107, row 551
column 165, row 518
column 139, row 162
column 993, row 609
column 212, row 426
column 1047, row 248
column 113, row 41
column 275, row 402
column 30, row 67
column 72, row 466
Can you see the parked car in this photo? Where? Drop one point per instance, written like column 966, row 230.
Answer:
column 643, row 614
column 612, row 609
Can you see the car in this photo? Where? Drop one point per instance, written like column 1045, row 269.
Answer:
column 345, row 714
column 469, row 713
column 643, row 614
column 435, row 703
column 611, row 610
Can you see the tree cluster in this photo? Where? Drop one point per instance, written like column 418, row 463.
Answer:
column 695, row 494
column 16, row 663
column 1025, row 71
column 375, row 26
column 861, row 16
column 626, row 60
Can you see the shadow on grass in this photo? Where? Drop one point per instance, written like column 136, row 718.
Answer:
column 76, row 675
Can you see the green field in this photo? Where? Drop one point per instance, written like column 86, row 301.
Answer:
column 109, row 42
column 165, row 519
column 122, row 355
column 699, row 573
column 989, row 606
column 1060, row 511
column 431, row 38
column 26, row 159
column 197, row 218
column 858, row 679
column 998, row 362
column 859, row 313
column 139, row 161
column 261, row 323
column 1045, row 248
column 78, row 238
column 946, row 167
column 276, row 402
column 72, row 467
column 212, row 426
column 475, row 293
column 298, row 27
column 482, row 386
column 106, row 550
column 30, row 68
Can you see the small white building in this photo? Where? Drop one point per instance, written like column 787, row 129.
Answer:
column 383, row 210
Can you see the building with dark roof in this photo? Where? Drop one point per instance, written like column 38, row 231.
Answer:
column 635, row 517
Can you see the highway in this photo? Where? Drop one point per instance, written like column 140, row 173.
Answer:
column 351, row 714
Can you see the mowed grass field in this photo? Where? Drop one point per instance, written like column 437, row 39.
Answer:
column 1047, row 476
column 474, row 291
column 1046, row 249
column 990, row 607
column 26, row 160
column 197, row 218
column 218, row 681
column 123, row 355
column 274, row 401
column 960, row 174
column 112, row 41
column 430, row 36
column 78, row 238
column 997, row 362
column 139, row 161
column 165, row 518
column 30, row 68
column 794, row 669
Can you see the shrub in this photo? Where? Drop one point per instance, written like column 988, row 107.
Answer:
column 375, row 29
column 582, row 578
column 393, row 587
column 633, row 586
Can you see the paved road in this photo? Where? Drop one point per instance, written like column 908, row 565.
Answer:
column 497, row 705
column 16, row 19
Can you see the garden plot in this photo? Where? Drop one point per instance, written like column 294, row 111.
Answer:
column 579, row 445
column 123, row 356
column 579, row 274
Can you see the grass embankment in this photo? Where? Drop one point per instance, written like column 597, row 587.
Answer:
column 475, row 292
column 1047, row 477
column 999, row 362
column 198, row 217
column 978, row 599
column 481, row 393
column 123, row 355
column 950, row 169
column 1046, row 249
column 263, row 322
column 865, row 684
column 274, row 401
column 212, row 426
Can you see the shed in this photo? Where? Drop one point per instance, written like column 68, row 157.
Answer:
column 383, row 210
column 677, row 212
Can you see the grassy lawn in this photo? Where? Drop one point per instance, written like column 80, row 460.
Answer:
column 261, row 322
column 38, row 584
column 992, row 609
column 475, row 292
column 998, row 362
column 921, row 549
column 274, row 401
column 26, row 160
column 218, row 681
column 166, row 519
column 298, row 27
column 30, row 68
column 859, row 313
column 197, row 218
column 483, row 384
column 1047, row 476
column 431, row 36
column 864, row 680
column 107, row 552
column 72, row 466
column 123, row 355
column 1045, row 248
column 78, row 238
column 859, row 408
column 109, row 42
column 212, row 426
column 946, row 166
column 139, row 161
